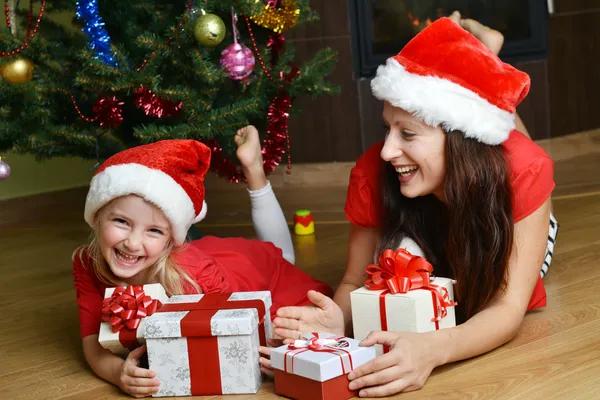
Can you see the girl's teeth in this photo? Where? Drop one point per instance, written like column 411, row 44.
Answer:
column 126, row 257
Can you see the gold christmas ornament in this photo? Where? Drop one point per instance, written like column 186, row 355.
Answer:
column 278, row 19
column 17, row 71
column 209, row 30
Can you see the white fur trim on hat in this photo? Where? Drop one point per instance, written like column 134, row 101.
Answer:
column 153, row 185
column 440, row 102
column 202, row 214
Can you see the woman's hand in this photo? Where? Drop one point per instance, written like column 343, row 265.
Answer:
column 136, row 381
column 323, row 316
column 404, row 368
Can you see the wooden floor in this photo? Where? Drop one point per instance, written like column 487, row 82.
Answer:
column 556, row 354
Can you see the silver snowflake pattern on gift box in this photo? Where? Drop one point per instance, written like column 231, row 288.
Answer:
column 168, row 340
column 150, row 352
column 215, row 327
column 164, row 359
column 244, row 296
column 226, row 374
column 166, row 389
column 151, row 330
column 239, row 313
column 228, row 389
column 241, row 382
column 233, row 329
column 182, row 372
column 237, row 352
column 230, row 322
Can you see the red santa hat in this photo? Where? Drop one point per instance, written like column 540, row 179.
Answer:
column 169, row 174
column 448, row 78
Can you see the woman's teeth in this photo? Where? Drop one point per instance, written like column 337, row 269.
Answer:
column 126, row 257
column 404, row 171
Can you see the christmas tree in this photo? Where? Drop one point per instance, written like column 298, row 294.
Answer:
column 141, row 71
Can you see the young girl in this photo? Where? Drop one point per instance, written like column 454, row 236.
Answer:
column 456, row 182
column 140, row 205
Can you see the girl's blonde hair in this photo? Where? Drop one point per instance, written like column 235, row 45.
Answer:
column 164, row 271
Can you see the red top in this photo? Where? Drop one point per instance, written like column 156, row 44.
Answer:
column 218, row 266
column 531, row 175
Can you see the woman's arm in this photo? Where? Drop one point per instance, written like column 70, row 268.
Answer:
column 500, row 320
column 520, row 126
column 414, row 355
column 362, row 243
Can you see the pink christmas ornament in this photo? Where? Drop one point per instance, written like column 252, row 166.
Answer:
column 238, row 61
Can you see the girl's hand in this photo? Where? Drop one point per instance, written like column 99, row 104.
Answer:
column 405, row 368
column 323, row 316
column 265, row 362
column 136, row 381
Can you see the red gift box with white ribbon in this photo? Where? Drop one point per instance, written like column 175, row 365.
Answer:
column 207, row 344
column 317, row 367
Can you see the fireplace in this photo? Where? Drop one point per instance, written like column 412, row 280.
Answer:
column 380, row 28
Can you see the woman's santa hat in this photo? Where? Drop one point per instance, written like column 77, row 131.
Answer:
column 448, row 78
column 169, row 174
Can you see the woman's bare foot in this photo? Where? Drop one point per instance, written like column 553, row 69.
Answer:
column 249, row 153
column 491, row 38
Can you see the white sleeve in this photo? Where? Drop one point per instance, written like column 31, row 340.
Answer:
column 269, row 222
column 411, row 246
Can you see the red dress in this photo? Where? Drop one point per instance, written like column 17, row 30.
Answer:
column 218, row 266
column 531, row 175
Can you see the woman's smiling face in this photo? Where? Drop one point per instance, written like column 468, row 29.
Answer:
column 417, row 152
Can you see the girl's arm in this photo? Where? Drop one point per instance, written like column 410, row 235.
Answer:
column 126, row 374
column 362, row 243
column 325, row 314
column 414, row 355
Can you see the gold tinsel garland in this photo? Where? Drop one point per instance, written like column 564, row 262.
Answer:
column 278, row 19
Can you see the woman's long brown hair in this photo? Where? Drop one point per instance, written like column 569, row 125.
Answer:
column 469, row 237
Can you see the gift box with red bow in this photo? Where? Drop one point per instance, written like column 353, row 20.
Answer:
column 124, row 310
column 402, row 295
column 208, row 344
column 317, row 367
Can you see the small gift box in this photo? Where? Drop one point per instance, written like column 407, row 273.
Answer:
column 208, row 344
column 317, row 368
column 124, row 310
column 401, row 295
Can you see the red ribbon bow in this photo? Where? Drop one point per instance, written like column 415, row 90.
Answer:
column 127, row 306
column 399, row 272
column 314, row 344
column 334, row 346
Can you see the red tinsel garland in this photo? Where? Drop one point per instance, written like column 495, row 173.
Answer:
column 154, row 106
column 109, row 111
column 272, row 149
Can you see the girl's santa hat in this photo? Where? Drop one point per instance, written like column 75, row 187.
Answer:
column 448, row 78
column 169, row 174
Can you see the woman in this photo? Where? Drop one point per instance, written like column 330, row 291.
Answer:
column 456, row 181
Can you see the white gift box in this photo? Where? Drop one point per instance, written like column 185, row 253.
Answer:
column 316, row 368
column 413, row 311
column 208, row 344
column 122, row 341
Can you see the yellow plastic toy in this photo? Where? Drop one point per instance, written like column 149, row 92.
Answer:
column 303, row 223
